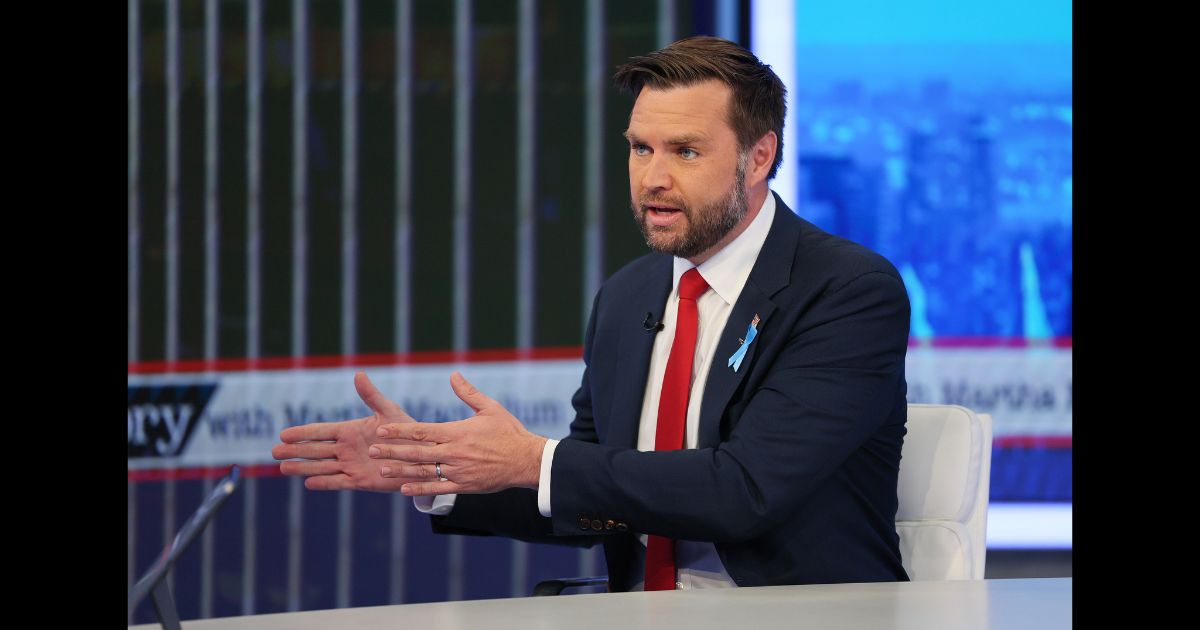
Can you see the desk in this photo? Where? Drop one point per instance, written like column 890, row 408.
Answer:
column 1020, row 604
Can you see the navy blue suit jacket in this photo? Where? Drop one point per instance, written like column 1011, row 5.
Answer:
column 794, row 476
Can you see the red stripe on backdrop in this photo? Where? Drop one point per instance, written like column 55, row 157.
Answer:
column 1032, row 441
column 209, row 472
column 357, row 360
column 502, row 354
column 989, row 342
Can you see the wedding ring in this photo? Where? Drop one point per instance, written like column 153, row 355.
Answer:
column 438, row 470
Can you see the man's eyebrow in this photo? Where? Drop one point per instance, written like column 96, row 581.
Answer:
column 691, row 138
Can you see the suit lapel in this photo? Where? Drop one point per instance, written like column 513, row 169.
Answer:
column 771, row 272
column 722, row 380
column 636, row 344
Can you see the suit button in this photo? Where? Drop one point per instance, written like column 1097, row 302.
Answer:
column 584, row 523
column 597, row 525
column 622, row 527
column 609, row 524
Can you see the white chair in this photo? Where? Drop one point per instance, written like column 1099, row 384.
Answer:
column 945, row 468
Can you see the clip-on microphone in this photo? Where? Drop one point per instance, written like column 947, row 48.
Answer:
column 650, row 325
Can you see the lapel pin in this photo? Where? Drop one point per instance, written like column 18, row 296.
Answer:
column 735, row 361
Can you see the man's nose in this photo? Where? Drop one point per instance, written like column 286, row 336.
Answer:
column 657, row 175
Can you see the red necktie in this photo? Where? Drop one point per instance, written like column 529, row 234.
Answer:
column 672, row 416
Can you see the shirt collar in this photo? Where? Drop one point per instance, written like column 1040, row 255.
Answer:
column 727, row 270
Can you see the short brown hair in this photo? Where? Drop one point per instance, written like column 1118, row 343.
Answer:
column 757, row 104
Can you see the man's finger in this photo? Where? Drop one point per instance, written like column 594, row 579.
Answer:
column 374, row 398
column 414, row 472
column 306, row 450
column 311, row 468
column 415, row 453
column 429, row 488
column 468, row 393
column 418, row 431
column 330, row 482
column 309, row 432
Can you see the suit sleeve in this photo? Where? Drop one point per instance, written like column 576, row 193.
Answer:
column 514, row 513
column 831, row 386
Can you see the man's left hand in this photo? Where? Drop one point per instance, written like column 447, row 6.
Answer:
column 489, row 452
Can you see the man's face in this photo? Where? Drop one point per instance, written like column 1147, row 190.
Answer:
column 686, row 181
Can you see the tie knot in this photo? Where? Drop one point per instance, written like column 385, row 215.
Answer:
column 692, row 285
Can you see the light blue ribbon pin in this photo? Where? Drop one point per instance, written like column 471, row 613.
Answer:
column 735, row 361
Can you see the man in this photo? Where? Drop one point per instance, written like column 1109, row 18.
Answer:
column 742, row 411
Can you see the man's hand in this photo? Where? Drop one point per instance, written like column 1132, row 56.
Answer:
column 487, row 453
column 334, row 454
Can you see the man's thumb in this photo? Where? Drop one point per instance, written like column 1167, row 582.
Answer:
column 467, row 392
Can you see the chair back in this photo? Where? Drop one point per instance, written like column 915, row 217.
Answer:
column 945, row 468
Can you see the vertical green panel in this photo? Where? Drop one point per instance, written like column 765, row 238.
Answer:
column 632, row 31
column 324, row 280
column 433, row 176
column 277, row 150
column 377, row 178
column 191, row 180
column 494, row 177
column 231, row 192
column 559, row 205
column 153, row 148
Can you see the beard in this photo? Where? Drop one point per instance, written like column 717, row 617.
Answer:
column 706, row 225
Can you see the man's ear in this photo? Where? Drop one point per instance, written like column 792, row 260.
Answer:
column 762, row 156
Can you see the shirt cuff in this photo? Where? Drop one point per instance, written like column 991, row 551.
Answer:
column 544, row 477
column 437, row 505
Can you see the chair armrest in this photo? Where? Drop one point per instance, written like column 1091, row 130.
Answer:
column 555, row 587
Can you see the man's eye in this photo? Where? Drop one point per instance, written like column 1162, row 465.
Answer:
column 688, row 154
column 640, row 149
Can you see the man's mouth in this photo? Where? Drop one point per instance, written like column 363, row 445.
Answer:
column 661, row 215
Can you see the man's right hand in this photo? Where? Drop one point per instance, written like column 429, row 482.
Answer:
column 333, row 455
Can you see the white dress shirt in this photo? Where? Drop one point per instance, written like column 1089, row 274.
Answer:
column 697, row 563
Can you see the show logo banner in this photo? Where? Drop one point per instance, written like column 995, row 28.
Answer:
column 182, row 420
